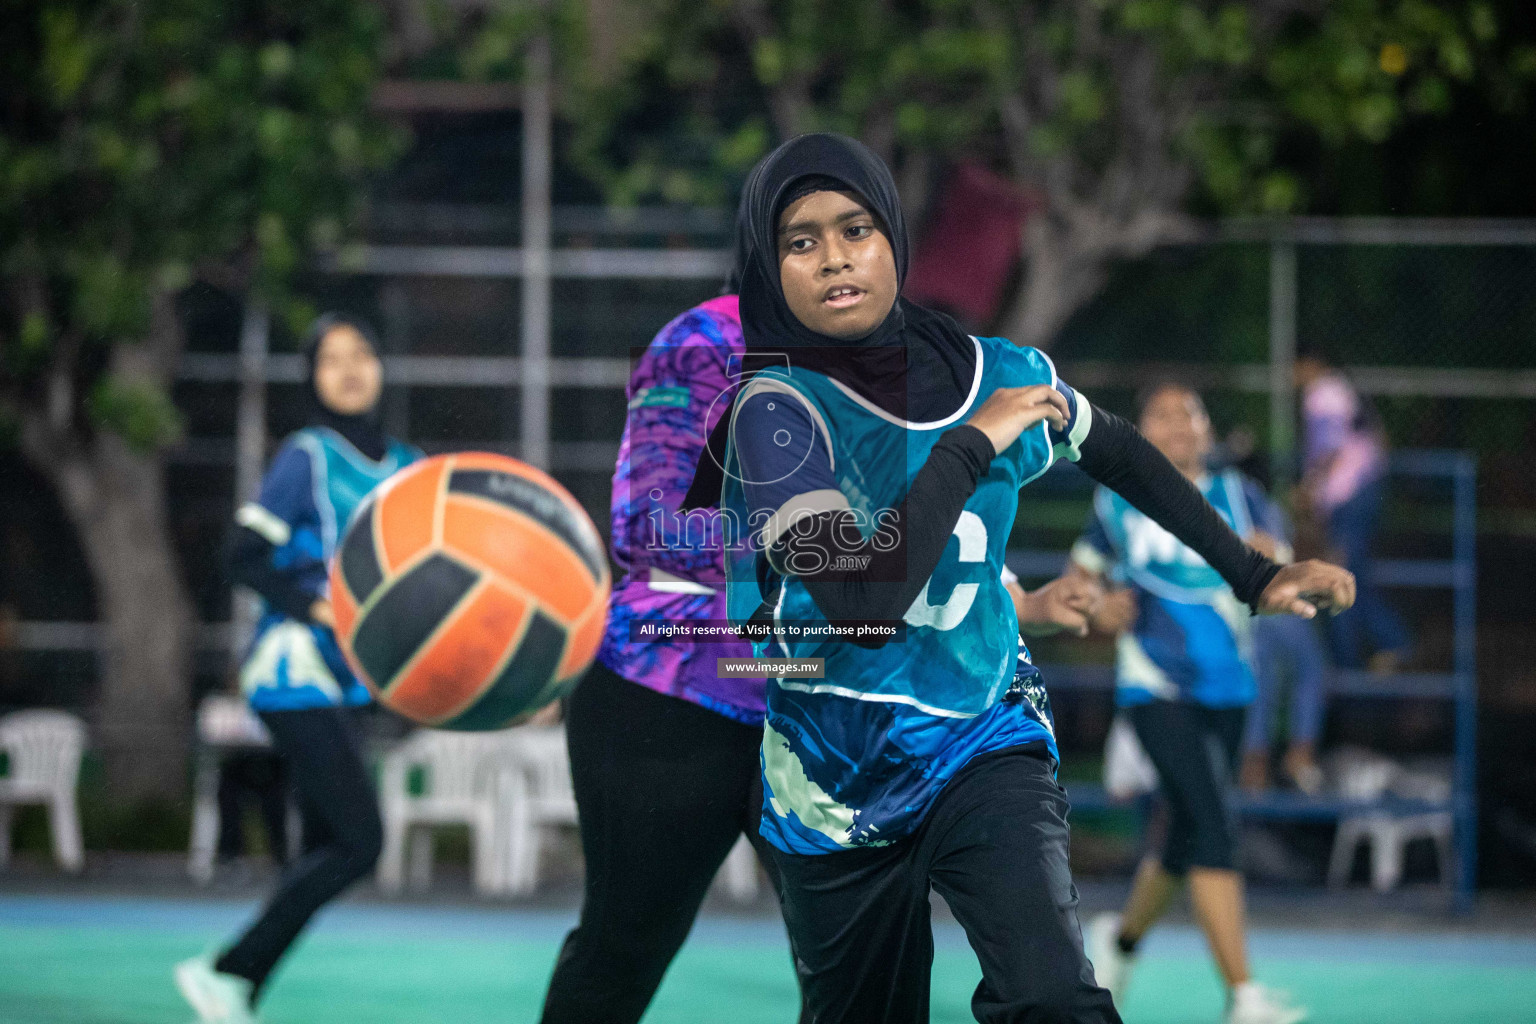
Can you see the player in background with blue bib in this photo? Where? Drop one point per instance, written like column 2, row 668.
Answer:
column 873, row 465
column 294, row 675
column 1184, row 679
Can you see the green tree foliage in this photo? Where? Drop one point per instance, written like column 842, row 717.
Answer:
column 1123, row 116
column 147, row 143
column 144, row 145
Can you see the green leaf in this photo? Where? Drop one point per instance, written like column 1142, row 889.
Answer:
column 173, row 277
column 1522, row 61
column 276, row 61
column 1456, row 58
column 1430, row 95
column 911, row 119
column 347, row 144
column 33, row 341
column 297, row 314
column 768, row 61
column 1280, row 193
column 1354, row 67
column 1234, row 42
column 138, row 412
column 1082, row 99
column 275, row 131
column 1047, row 141
column 1374, row 115
column 1483, row 22
column 279, row 256
column 1146, row 15
column 742, row 148
column 68, row 54
column 111, row 300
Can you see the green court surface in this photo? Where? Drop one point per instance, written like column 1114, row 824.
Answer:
column 67, row 960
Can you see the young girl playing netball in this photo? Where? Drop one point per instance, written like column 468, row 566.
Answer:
column 664, row 751
column 295, row 676
column 876, row 456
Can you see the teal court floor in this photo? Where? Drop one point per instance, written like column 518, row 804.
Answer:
column 88, row 960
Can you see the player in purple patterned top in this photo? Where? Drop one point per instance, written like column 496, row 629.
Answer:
column 672, row 572
column 664, row 756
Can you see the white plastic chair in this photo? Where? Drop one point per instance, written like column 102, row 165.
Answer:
column 534, row 796
column 225, row 722
column 459, row 790
column 1363, row 775
column 1388, row 835
column 44, row 750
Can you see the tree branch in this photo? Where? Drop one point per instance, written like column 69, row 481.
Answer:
column 790, row 97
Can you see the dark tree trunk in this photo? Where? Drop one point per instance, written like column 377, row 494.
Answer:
column 114, row 497
column 1067, row 259
column 1057, row 282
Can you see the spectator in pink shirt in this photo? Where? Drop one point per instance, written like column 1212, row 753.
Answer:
column 1344, row 461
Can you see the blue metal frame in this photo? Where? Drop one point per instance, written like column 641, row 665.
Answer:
column 1459, row 574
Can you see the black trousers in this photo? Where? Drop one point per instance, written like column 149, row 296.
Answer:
column 664, row 788
column 1195, row 750
column 259, row 776
column 995, row 847
column 342, row 833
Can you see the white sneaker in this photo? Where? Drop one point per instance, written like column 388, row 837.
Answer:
column 1252, row 1003
column 218, row 998
column 1111, row 967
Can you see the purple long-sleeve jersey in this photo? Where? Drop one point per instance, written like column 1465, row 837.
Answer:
column 672, row 565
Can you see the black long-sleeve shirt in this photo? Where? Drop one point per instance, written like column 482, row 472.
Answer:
column 1114, row 453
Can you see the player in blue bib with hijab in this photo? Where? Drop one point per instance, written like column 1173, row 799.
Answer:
column 294, row 674
column 869, row 475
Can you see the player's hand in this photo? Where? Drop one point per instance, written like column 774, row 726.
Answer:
column 1116, row 612
column 1067, row 603
column 321, row 614
column 1008, row 412
column 1307, row 588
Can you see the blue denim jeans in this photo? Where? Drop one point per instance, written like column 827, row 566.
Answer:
column 1281, row 641
column 1371, row 624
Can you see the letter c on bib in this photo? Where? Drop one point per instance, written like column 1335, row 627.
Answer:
column 973, row 548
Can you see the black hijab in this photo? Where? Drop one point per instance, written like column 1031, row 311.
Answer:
column 362, row 430
column 918, row 365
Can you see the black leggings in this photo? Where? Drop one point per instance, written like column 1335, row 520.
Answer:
column 994, row 845
column 342, row 833
column 664, row 787
column 1194, row 750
